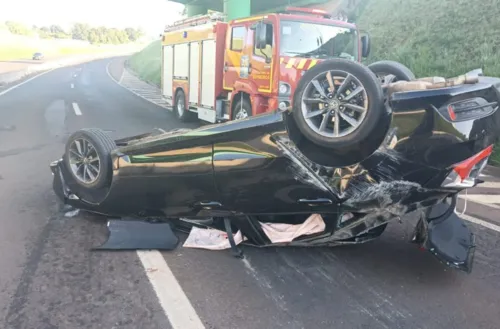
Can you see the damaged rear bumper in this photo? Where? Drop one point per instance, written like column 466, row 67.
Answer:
column 444, row 234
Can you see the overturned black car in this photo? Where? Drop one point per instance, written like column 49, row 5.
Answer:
column 361, row 146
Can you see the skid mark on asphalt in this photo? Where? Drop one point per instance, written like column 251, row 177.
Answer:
column 65, row 285
column 15, row 313
column 360, row 294
column 267, row 289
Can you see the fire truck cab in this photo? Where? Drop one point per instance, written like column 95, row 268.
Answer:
column 218, row 71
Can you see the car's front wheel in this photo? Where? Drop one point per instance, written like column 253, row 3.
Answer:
column 88, row 157
column 242, row 109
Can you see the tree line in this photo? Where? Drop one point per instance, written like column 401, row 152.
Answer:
column 79, row 31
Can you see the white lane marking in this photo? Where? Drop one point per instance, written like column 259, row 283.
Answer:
column 484, row 175
column 72, row 86
column 22, row 83
column 481, row 222
column 489, row 185
column 76, row 108
column 484, row 199
column 173, row 300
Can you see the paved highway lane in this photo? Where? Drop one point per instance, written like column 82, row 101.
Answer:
column 50, row 279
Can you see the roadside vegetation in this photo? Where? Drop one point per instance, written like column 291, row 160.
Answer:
column 146, row 64
column 444, row 38
column 79, row 31
column 25, row 51
column 18, row 41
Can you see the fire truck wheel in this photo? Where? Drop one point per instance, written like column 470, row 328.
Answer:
column 384, row 68
column 242, row 109
column 339, row 105
column 180, row 107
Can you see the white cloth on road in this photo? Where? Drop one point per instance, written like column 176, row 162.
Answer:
column 279, row 232
column 213, row 239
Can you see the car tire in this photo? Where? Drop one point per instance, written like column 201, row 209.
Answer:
column 180, row 108
column 384, row 68
column 369, row 119
column 90, row 165
column 242, row 109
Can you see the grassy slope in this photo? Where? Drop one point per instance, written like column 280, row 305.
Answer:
column 445, row 37
column 19, row 51
column 435, row 37
column 147, row 63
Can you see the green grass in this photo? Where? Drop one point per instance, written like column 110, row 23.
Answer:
column 445, row 37
column 11, row 52
column 147, row 63
column 435, row 37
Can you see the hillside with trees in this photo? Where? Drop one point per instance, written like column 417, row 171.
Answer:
column 79, row 31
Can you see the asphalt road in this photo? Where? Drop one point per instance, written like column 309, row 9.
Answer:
column 50, row 279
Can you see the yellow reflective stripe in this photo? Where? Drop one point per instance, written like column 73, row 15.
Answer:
column 313, row 62
column 302, row 64
column 281, row 60
column 290, row 63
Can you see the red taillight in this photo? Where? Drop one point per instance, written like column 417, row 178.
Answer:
column 451, row 113
column 465, row 173
column 464, row 168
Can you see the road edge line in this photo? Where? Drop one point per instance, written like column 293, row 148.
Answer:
column 25, row 81
column 131, row 91
column 172, row 298
column 480, row 222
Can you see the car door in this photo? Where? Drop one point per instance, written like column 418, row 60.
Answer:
column 263, row 61
column 255, row 174
column 235, row 58
column 170, row 176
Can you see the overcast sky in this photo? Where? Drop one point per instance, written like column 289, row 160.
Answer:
column 151, row 15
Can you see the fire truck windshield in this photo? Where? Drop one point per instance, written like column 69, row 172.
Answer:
column 307, row 39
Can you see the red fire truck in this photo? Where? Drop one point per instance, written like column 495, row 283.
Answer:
column 219, row 71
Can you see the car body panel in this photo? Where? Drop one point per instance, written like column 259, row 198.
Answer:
column 255, row 170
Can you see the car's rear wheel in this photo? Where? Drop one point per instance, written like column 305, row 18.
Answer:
column 180, row 108
column 88, row 159
column 339, row 117
column 338, row 103
column 384, row 69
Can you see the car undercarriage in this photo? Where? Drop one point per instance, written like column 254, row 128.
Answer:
column 354, row 153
